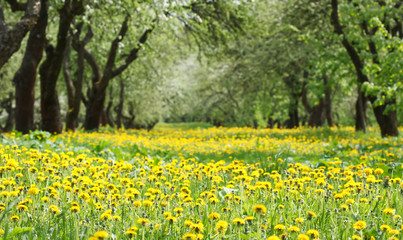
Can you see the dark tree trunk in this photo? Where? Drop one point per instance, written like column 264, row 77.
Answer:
column 7, row 104
column 386, row 118
column 317, row 116
column 361, row 112
column 10, row 39
column 328, row 102
column 74, row 88
column 293, row 118
column 94, row 109
column 316, row 113
column 25, row 77
column 108, row 119
column 50, row 69
column 119, row 109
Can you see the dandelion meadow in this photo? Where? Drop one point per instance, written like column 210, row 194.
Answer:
column 180, row 182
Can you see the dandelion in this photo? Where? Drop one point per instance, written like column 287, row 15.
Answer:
column 130, row 233
column 279, row 227
column 385, row 228
column 143, row 221
column 360, row 225
column 33, row 191
column 273, row 237
column 75, row 209
column 22, row 208
column 311, row 215
column 214, row 216
column 355, row 237
column 259, row 209
column 299, row 220
column 394, row 232
column 189, row 236
column 313, row 233
column 221, row 227
column 14, row 218
column 379, row 171
column 188, row 223
column 197, row 227
column 238, row 221
column 171, row 219
column 303, row 237
column 294, row 229
column 101, row 235
column 389, row 211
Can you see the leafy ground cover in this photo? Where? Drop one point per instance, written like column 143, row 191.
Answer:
column 191, row 182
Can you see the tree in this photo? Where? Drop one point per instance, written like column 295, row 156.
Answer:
column 25, row 77
column 100, row 80
column 372, row 35
column 10, row 39
column 50, row 69
column 74, row 86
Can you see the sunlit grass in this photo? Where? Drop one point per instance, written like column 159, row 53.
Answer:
column 181, row 182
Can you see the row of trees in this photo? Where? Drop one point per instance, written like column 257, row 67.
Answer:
column 319, row 56
column 254, row 63
column 125, row 26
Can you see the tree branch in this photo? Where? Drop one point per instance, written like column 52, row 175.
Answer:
column 66, row 73
column 355, row 58
column 133, row 55
column 110, row 63
column 96, row 70
column 17, row 6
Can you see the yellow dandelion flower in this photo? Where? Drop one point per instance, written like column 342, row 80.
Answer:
column 313, row 233
column 214, row 216
column 303, row 237
column 101, row 235
column 14, row 218
column 389, row 211
column 143, row 221
column 279, row 227
column 197, row 227
column 189, row 236
column 385, row 228
column 238, row 221
column 294, row 229
column 259, row 208
column 360, row 225
column 221, row 227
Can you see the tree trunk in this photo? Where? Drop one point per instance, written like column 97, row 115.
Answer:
column 94, row 109
column 100, row 81
column 387, row 120
column 108, row 118
column 119, row 109
column 74, row 88
column 10, row 40
column 50, row 69
column 293, row 118
column 25, row 77
column 7, row 104
column 361, row 112
column 328, row 102
column 316, row 113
